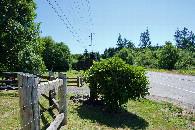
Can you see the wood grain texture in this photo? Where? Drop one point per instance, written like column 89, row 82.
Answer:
column 29, row 102
column 56, row 123
column 47, row 86
column 62, row 93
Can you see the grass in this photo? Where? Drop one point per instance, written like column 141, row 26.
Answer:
column 139, row 114
column 69, row 73
column 9, row 110
column 184, row 72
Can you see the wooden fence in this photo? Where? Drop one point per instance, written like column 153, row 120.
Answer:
column 78, row 81
column 9, row 82
column 30, row 89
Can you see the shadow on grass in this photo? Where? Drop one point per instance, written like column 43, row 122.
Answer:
column 121, row 119
column 44, row 119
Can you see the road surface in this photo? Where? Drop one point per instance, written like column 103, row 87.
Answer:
column 174, row 88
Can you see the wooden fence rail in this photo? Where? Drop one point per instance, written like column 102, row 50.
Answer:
column 30, row 88
column 78, row 81
column 29, row 92
column 9, row 82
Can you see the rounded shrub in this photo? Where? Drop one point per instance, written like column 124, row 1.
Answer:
column 115, row 82
column 168, row 57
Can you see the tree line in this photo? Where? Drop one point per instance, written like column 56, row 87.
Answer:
column 22, row 48
column 168, row 56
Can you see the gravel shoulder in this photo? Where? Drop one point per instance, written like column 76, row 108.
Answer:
column 82, row 90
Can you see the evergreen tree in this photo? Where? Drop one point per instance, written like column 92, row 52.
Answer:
column 120, row 43
column 145, row 39
column 184, row 38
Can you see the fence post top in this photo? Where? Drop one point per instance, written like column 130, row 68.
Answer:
column 27, row 75
column 51, row 74
column 61, row 75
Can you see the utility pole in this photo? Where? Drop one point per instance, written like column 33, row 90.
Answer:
column 91, row 40
column 92, row 45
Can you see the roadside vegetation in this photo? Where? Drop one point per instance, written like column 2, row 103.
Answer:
column 179, row 58
column 120, row 83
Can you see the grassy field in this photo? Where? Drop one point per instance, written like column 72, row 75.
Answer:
column 70, row 73
column 139, row 114
column 183, row 72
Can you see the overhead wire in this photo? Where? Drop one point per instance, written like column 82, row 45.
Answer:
column 77, row 19
column 67, row 26
column 77, row 7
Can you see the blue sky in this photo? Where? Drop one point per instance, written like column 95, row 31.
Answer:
column 73, row 21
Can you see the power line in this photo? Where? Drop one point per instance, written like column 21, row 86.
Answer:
column 67, row 22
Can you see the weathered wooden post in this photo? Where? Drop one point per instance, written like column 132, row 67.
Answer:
column 81, row 81
column 62, row 96
column 78, row 81
column 52, row 93
column 28, row 102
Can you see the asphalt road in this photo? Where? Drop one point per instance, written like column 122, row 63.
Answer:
column 174, row 88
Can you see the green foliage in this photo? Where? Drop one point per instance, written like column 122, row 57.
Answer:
column 57, row 56
column 185, row 38
column 86, row 54
column 110, row 52
column 139, row 115
column 126, row 55
column 98, row 56
column 130, row 44
column 20, row 45
column 116, row 82
column 145, row 39
column 168, row 57
column 84, row 61
column 124, row 43
column 186, row 60
column 146, row 58
column 120, row 42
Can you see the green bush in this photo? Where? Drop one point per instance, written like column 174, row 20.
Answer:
column 146, row 58
column 126, row 54
column 168, row 57
column 186, row 60
column 116, row 82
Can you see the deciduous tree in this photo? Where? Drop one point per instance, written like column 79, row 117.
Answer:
column 57, row 56
column 20, row 45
